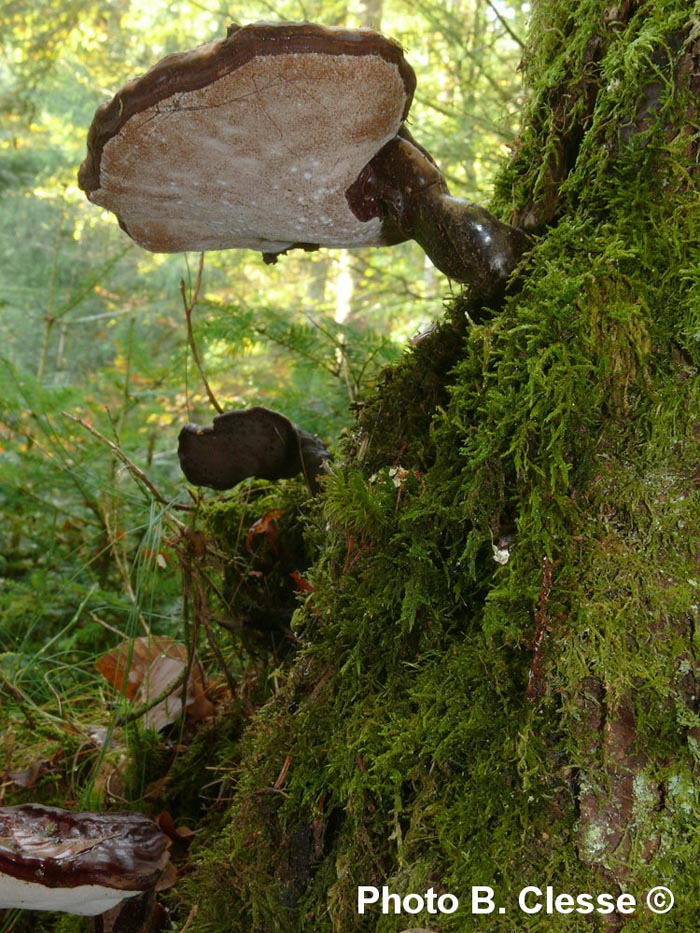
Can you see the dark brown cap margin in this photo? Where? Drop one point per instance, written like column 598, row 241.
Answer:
column 195, row 69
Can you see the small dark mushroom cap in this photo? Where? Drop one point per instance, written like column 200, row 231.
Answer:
column 103, row 857
column 251, row 141
column 250, row 442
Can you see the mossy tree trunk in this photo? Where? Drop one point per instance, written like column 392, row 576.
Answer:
column 450, row 720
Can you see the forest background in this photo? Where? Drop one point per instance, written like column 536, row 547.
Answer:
column 446, row 716
column 93, row 335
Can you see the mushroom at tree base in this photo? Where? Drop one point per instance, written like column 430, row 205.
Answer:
column 285, row 135
column 251, row 141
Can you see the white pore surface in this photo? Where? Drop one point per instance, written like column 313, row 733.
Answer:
column 261, row 158
column 85, row 899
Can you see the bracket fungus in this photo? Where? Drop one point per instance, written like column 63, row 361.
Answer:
column 285, row 135
column 78, row 863
column 250, row 442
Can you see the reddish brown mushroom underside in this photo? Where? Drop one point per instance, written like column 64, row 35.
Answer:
column 252, row 141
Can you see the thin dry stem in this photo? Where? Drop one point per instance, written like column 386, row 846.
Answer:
column 189, row 306
column 135, row 471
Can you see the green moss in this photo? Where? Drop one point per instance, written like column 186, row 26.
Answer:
column 402, row 748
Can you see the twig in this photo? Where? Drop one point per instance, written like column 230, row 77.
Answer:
column 190, row 919
column 189, row 308
column 135, row 471
column 201, row 615
column 504, row 22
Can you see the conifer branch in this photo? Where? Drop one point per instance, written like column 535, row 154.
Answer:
column 135, row 471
